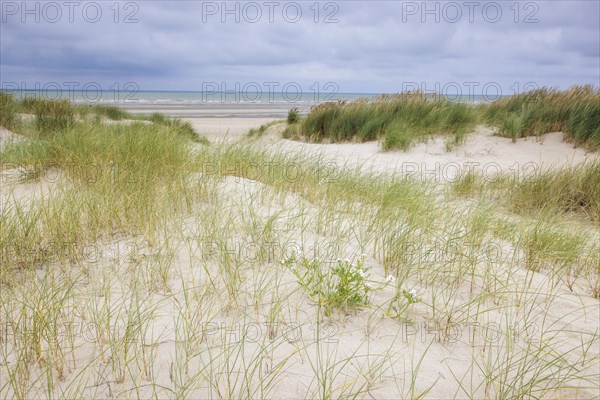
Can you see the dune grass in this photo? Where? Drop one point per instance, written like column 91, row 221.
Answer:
column 316, row 180
column 576, row 112
column 396, row 120
column 178, row 126
column 8, row 111
column 574, row 189
column 566, row 190
column 112, row 112
column 293, row 115
column 261, row 130
column 52, row 116
column 123, row 179
column 34, row 105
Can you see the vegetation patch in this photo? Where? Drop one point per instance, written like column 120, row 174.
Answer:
column 401, row 120
column 576, row 112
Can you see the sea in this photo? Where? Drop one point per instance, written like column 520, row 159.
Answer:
column 98, row 95
column 212, row 104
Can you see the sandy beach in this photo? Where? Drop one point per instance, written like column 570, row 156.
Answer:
column 217, row 110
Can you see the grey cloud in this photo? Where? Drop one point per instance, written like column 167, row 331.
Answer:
column 374, row 47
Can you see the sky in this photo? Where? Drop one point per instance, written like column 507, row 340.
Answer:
column 467, row 47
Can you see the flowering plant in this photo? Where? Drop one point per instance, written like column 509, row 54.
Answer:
column 343, row 287
column 401, row 302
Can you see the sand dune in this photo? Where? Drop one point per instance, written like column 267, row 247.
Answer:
column 211, row 312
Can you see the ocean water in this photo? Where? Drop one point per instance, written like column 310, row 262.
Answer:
column 185, row 98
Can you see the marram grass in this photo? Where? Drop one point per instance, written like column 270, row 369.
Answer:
column 572, row 189
column 576, row 112
column 119, row 178
column 398, row 121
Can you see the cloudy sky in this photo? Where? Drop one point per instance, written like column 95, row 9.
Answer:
column 359, row 46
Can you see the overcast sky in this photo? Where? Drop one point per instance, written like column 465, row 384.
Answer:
column 360, row 46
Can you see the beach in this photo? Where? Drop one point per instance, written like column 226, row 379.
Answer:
column 216, row 110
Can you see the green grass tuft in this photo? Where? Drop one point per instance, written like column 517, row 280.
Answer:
column 8, row 111
column 398, row 120
column 261, row 130
column 569, row 189
column 576, row 112
column 111, row 112
column 293, row 115
column 52, row 116
column 122, row 179
column 179, row 127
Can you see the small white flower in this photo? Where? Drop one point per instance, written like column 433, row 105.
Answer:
column 347, row 261
column 369, row 285
column 390, row 278
column 339, row 260
column 412, row 292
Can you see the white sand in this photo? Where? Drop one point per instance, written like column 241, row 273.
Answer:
column 226, row 129
column 482, row 151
